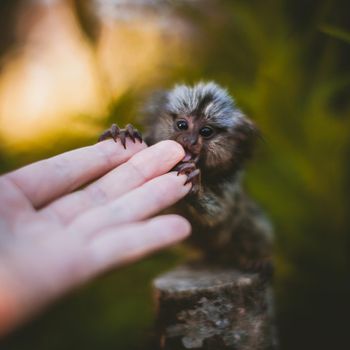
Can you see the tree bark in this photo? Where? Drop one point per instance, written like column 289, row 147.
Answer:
column 214, row 309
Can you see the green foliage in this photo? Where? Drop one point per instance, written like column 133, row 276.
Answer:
column 335, row 32
column 289, row 70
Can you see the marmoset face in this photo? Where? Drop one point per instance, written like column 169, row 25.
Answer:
column 205, row 121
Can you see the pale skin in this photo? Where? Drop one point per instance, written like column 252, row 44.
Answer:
column 53, row 238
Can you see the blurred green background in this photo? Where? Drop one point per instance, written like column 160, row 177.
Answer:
column 69, row 68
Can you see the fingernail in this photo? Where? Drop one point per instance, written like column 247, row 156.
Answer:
column 177, row 175
column 188, row 186
column 176, row 149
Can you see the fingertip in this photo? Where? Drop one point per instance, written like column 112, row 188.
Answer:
column 129, row 243
column 181, row 225
column 173, row 147
column 158, row 159
column 181, row 179
column 177, row 227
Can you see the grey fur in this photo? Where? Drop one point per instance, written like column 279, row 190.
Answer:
column 227, row 226
column 218, row 105
column 185, row 99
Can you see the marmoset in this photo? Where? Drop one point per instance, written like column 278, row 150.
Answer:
column 227, row 226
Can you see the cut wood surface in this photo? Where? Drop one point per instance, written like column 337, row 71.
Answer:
column 214, row 309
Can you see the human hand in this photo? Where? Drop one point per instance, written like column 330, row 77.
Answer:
column 53, row 239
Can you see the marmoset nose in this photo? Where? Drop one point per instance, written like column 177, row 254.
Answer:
column 191, row 140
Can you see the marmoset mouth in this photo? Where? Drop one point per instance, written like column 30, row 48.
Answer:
column 189, row 156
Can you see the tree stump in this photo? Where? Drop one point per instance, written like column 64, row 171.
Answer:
column 214, row 309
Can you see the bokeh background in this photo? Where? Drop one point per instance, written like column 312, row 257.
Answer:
column 68, row 68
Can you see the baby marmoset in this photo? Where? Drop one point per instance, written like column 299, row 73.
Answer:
column 227, row 225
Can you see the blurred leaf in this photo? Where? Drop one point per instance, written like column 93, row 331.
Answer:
column 335, row 32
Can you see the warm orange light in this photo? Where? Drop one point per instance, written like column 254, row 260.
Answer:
column 59, row 75
column 51, row 80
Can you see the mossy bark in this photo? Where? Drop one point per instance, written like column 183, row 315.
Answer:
column 214, row 309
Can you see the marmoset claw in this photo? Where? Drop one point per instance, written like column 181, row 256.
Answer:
column 192, row 176
column 115, row 132
column 185, row 168
column 192, row 172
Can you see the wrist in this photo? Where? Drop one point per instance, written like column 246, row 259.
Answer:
column 9, row 306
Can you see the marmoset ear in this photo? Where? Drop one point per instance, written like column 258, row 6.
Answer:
column 245, row 133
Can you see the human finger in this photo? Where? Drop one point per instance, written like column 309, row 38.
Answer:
column 43, row 181
column 13, row 202
column 140, row 168
column 113, row 247
column 139, row 204
column 33, row 275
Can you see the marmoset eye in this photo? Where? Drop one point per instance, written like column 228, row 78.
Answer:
column 206, row 131
column 182, row 125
